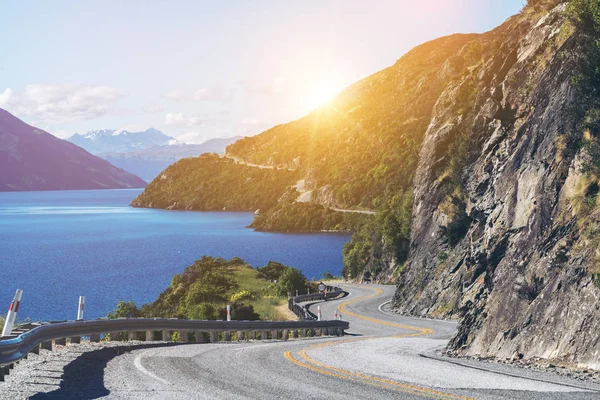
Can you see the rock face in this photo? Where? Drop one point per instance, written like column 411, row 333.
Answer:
column 31, row 159
column 498, row 238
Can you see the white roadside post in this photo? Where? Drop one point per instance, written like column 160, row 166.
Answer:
column 12, row 313
column 318, row 313
column 80, row 308
column 228, row 312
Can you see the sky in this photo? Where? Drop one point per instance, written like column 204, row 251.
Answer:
column 203, row 69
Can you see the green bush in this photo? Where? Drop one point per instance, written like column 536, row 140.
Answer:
column 205, row 288
column 291, row 280
column 125, row 309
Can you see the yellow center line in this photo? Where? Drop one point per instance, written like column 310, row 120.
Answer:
column 372, row 380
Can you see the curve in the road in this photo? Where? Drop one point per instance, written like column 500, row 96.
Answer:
column 329, row 370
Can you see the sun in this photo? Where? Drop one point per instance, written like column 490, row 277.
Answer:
column 321, row 94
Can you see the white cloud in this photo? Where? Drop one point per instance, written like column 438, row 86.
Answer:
column 5, row 97
column 175, row 119
column 152, row 108
column 203, row 120
column 60, row 103
column 192, row 137
column 177, row 95
column 226, row 93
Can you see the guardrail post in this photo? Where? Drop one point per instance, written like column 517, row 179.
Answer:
column 12, row 313
column 263, row 335
column 214, row 338
column 149, row 336
column 199, row 337
column 166, row 337
column 286, row 334
column 60, row 342
column 295, row 333
column 47, row 345
column 184, row 336
column 36, row 349
column 75, row 340
column 131, row 335
column 302, row 332
column 227, row 336
column 1, row 374
column 80, row 308
column 114, row 336
column 95, row 338
column 274, row 335
column 240, row 336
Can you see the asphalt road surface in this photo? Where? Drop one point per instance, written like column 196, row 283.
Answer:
column 382, row 358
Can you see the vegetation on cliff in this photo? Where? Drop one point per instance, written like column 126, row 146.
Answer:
column 358, row 151
column 205, row 288
column 211, row 183
column 291, row 216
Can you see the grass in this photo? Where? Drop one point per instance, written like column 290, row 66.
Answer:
column 264, row 294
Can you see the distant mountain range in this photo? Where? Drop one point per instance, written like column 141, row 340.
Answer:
column 32, row 159
column 147, row 163
column 119, row 140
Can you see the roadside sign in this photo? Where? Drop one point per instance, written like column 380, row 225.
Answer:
column 322, row 287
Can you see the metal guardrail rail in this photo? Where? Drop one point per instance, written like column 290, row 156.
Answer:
column 14, row 348
column 303, row 313
column 29, row 338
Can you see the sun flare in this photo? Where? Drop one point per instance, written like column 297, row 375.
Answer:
column 321, row 94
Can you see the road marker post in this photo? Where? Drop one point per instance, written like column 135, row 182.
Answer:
column 228, row 312
column 318, row 313
column 80, row 308
column 12, row 313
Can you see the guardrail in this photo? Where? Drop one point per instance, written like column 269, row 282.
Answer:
column 303, row 313
column 12, row 349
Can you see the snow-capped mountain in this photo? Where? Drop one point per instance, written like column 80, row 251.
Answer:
column 148, row 163
column 119, row 140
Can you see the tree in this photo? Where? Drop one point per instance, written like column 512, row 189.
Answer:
column 291, row 280
column 327, row 276
column 272, row 270
column 125, row 309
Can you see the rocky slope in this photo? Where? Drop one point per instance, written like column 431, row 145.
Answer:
column 481, row 157
column 505, row 222
column 358, row 151
column 31, row 159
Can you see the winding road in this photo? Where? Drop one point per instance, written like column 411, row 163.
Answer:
column 384, row 356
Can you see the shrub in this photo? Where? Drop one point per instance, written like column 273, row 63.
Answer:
column 291, row 280
column 125, row 309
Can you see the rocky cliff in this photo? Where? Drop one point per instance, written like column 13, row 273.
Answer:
column 505, row 217
column 480, row 156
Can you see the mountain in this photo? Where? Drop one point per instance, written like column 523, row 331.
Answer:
column 32, row 159
column 149, row 162
column 480, row 156
column 110, row 141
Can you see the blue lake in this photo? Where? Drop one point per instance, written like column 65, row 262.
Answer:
column 59, row 245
